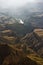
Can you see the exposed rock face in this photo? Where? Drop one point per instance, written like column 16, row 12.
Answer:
column 35, row 40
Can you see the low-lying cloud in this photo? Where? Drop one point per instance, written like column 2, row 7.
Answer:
column 15, row 3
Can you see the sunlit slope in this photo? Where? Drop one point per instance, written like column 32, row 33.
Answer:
column 11, row 56
column 35, row 41
column 39, row 32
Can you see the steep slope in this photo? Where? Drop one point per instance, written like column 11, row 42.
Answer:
column 35, row 41
column 9, row 55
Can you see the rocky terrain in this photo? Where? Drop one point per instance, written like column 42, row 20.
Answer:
column 20, row 43
column 27, row 50
column 12, row 56
column 35, row 41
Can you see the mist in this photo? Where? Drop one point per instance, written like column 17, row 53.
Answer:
column 12, row 3
column 20, row 8
column 16, row 3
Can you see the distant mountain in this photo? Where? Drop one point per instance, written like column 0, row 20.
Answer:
column 35, row 20
column 16, row 25
column 21, row 35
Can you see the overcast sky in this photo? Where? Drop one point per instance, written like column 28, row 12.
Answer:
column 16, row 3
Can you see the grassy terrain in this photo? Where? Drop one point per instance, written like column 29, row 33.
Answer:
column 36, row 58
column 33, row 57
column 39, row 32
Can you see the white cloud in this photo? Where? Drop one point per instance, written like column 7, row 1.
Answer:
column 15, row 3
column 7, row 3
